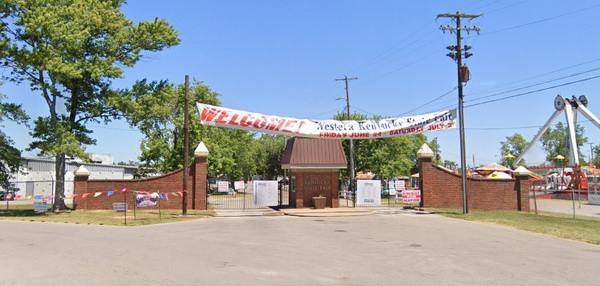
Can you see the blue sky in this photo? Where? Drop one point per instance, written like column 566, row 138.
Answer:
column 282, row 58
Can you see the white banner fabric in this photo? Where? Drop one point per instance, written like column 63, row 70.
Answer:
column 327, row 129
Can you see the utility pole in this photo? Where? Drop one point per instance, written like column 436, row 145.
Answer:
column 186, row 144
column 463, row 76
column 351, row 187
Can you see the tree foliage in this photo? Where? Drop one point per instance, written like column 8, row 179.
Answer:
column 386, row 157
column 157, row 110
column 514, row 145
column 10, row 157
column 555, row 142
column 69, row 51
column 269, row 153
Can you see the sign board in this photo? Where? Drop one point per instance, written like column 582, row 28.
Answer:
column 265, row 193
column 222, row 186
column 40, row 206
column 239, row 185
column 368, row 192
column 411, row 196
column 400, row 185
column 327, row 129
column 119, row 207
column 145, row 200
column 594, row 199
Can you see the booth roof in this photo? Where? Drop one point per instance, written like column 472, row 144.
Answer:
column 313, row 153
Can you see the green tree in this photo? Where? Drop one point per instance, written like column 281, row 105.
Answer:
column 69, row 51
column 555, row 142
column 10, row 157
column 157, row 109
column 449, row 164
column 514, row 145
column 269, row 154
column 386, row 157
column 595, row 157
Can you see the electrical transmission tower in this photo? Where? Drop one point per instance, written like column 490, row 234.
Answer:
column 463, row 76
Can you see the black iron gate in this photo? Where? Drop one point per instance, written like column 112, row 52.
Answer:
column 242, row 198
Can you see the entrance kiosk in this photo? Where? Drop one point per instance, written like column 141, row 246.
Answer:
column 313, row 167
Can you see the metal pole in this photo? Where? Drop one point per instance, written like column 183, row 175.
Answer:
column 185, row 149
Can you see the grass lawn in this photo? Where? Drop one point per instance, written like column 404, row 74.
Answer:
column 101, row 217
column 584, row 229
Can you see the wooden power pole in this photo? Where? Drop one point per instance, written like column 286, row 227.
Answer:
column 457, row 54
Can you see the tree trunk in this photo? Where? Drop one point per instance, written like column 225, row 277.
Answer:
column 59, row 187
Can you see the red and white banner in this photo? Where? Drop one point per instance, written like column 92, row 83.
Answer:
column 328, row 129
column 411, row 196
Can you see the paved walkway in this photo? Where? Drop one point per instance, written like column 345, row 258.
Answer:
column 563, row 206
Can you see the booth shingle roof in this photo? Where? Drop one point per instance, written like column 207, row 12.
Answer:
column 313, row 153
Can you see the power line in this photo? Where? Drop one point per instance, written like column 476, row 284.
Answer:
column 540, row 75
column 536, row 84
column 534, row 91
column 438, row 98
column 542, row 20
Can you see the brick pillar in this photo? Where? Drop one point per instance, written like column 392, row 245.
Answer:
column 522, row 187
column 80, row 184
column 199, row 173
column 425, row 156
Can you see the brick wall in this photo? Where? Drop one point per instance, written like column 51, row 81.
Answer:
column 311, row 184
column 168, row 183
column 442, row 189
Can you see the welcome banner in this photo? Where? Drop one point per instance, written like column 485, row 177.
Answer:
column 328, row 129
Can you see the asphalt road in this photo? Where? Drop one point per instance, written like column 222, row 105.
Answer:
column 381, row 249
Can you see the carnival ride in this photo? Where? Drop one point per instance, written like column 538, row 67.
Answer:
column 571, row 107
column 573, row 177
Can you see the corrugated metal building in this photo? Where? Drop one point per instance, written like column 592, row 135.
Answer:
column 37, row 176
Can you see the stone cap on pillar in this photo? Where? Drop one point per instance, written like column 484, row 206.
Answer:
column 81, row 171
column 425, row 152
column 201, row 150
column 521, row 171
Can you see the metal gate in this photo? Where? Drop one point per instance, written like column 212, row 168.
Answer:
column 242, row 198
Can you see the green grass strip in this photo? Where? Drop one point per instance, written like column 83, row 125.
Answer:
column 583, row 229
column 101, row 217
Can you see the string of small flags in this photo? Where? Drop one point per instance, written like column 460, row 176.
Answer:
column 159, row 194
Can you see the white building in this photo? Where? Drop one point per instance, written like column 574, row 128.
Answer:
column 37, row 176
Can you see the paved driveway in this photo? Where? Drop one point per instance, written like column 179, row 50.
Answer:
column 580, row 208
column 382, row 249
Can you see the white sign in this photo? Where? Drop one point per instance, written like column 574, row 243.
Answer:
column 594, row 199
column 328, row 129
column 411, row 196
column 368, row 192
column 265, row 193
column 40, row 206
column 239, row 185
column 222, row 186
column 400, row 185
column 119, row 207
